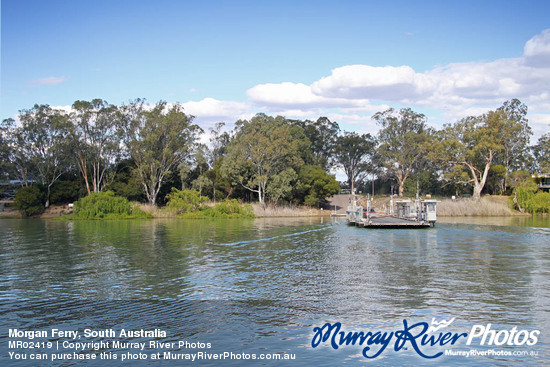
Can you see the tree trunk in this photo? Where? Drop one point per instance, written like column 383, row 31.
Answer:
column 479, row 183
column 516, row 202
column 47, row 204
column 477, row 191
column 152, row 198
column 261, row 193
column 401, row 182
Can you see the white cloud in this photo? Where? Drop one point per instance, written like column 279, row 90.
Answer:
column 283, row 94
column 52, row 80
column 351, row 94
column 293, row 95
column 454, row 91
column 365, row 82
column 210, row 107
column 537, row 50
column 456, row 84
column 540, row 123
column 209, row 111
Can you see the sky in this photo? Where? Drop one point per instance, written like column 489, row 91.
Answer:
column 228, row 60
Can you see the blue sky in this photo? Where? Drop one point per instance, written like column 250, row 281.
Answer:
column 225, row 60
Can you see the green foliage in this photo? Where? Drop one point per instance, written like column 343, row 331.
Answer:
column 405, row 140
column 184, row 201
column 189, row 204
column 95, row 134
column 201, row 183
column 262, row 148
column 471, row 145
column 518, row 178
column 6, row 166
column 280, row 185
column 158, row 140
column 125, row 182
column 427, row 183
column 30, row 200
column 105, row 205
column 227, row 209
column 315, row 185
column 514, row 134
column 527, row 198
column 65, row 191
column 355, row 153
column 539, row 203
column 322, row 135
column 541, row 152
column 263, row 156
column 495, row 179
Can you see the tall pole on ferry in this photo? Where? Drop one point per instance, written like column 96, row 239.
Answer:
column 372, row 166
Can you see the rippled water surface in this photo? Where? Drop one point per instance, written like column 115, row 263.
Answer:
column 261, row 286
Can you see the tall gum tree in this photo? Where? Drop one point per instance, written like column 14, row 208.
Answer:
column 158, row 139
column 404, row 141
column 260, row 151
column 515, row 133
column 468, row 147
column 96, row 141
column 541, row 151
column 354, row 154
column 323, row 135
column 42, row 135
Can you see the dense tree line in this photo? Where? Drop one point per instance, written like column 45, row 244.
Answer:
column 142, row 151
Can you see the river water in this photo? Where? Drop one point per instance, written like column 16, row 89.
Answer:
column 260, row 287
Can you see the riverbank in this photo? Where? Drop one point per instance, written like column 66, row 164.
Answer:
column 268, row 211
column 489, row 206
column 260, row 211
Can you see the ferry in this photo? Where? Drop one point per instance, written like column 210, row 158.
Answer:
column 403, row 213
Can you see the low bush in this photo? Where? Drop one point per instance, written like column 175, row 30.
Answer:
column 189, row 204
column 229, row 209
column 538, row 203
column 184, row 201
column 30, row 200
column 105, row 205
column 526, row 198
column 63, row 192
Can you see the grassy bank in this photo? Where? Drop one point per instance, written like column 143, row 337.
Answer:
column 258, row 211
column 287, row 211
column 488, row 206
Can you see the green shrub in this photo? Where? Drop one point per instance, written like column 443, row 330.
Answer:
column 188, row 204
column 539, row 203
column 105, row 205
column 184, row 201
column 529, row 199
column 229, row 209
column 30, row 200
column 65, row 192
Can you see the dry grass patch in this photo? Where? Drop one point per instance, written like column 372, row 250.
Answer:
column 155, row 211
column 286, row 211
column 488, row 206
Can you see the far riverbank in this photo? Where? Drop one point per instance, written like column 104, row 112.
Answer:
column 489, row 206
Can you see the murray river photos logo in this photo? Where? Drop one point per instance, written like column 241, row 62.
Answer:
column 421, row 337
